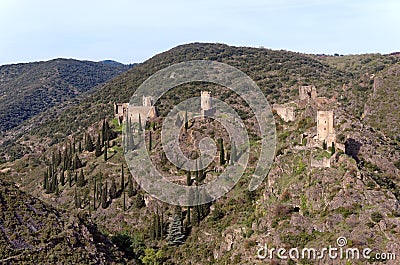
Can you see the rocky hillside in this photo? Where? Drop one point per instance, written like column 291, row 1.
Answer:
column 33, row 231
column 302, row 203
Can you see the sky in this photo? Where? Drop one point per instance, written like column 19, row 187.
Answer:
column 131, row 31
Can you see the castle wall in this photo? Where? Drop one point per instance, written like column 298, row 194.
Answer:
column 325, row 131
column 134, row 111
column 206, row 103
column 323, row 163
column 307, row 92
column 286, row 113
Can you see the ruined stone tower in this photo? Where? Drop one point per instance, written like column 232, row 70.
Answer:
column 307, row 92
column 325, row 129
column 147, row 101
column 206, row 104
column 124, row 110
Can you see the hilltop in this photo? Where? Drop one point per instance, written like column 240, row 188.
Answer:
column 298, row 204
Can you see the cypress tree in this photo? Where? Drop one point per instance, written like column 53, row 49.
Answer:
column 80, row 147
column 76, row 177
column 104, row 197
column 77, row 162
column 124, row 203
column 77, row 196
column 81, row 179
column 105, row 150
column 333, row 149
column 140, row 123
column 89, row 144
column 189, row 183
column 103, row 132
column 186, row 121
column 233, row 156
column 178, row 121
column 324, row 145
column 221, row 151
column 62, row 178
column 122, row 178
column 113, row 190
column 139, row 201
column 188, row 178
column 150, row 141
column 94, row 194
column 157, row 225
column 45, row 180
column 175, row 236
column 131, row 189
column 98, row 151
column 69, row 174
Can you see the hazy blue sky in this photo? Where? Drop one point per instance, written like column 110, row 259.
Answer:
column 132, row 31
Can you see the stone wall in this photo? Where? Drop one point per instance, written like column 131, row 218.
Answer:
column 325, row 130
column 285, row 112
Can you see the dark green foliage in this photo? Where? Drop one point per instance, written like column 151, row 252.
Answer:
column 333, row 149
column 77, row 199
column 131, row 189
column 139, row 201
column 186, row 121
column 150, row 141
column 76, row 162
column 157, row 227
column 113, row 190
column 69, row 175
column 233, row 154
column 98, row 151
column 104, row 203
column 62, row 178
column 45, row 85
column 175, row 236
column 221, row 151
column 122, row 178
column 188, row 178
column 376, row 217
column 94, row 194
column 45, row 180
column 397, row 164
column 106, row 151
column 324, row 145
column 140, row 123
column 80, row 147
column 132, row 247
column 81, row 179
column 178, row 121
column 89, row 144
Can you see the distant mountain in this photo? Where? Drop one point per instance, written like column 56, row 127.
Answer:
column 115, row 63
column 28, row 89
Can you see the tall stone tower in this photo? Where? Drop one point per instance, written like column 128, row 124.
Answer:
column 147, row 101
column 206, row 104
column 307, row 92
column 325, row 129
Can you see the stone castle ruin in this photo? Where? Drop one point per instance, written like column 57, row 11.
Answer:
column 206, row 104
column 325, row 128
column 320, row 109
column 124, row 110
